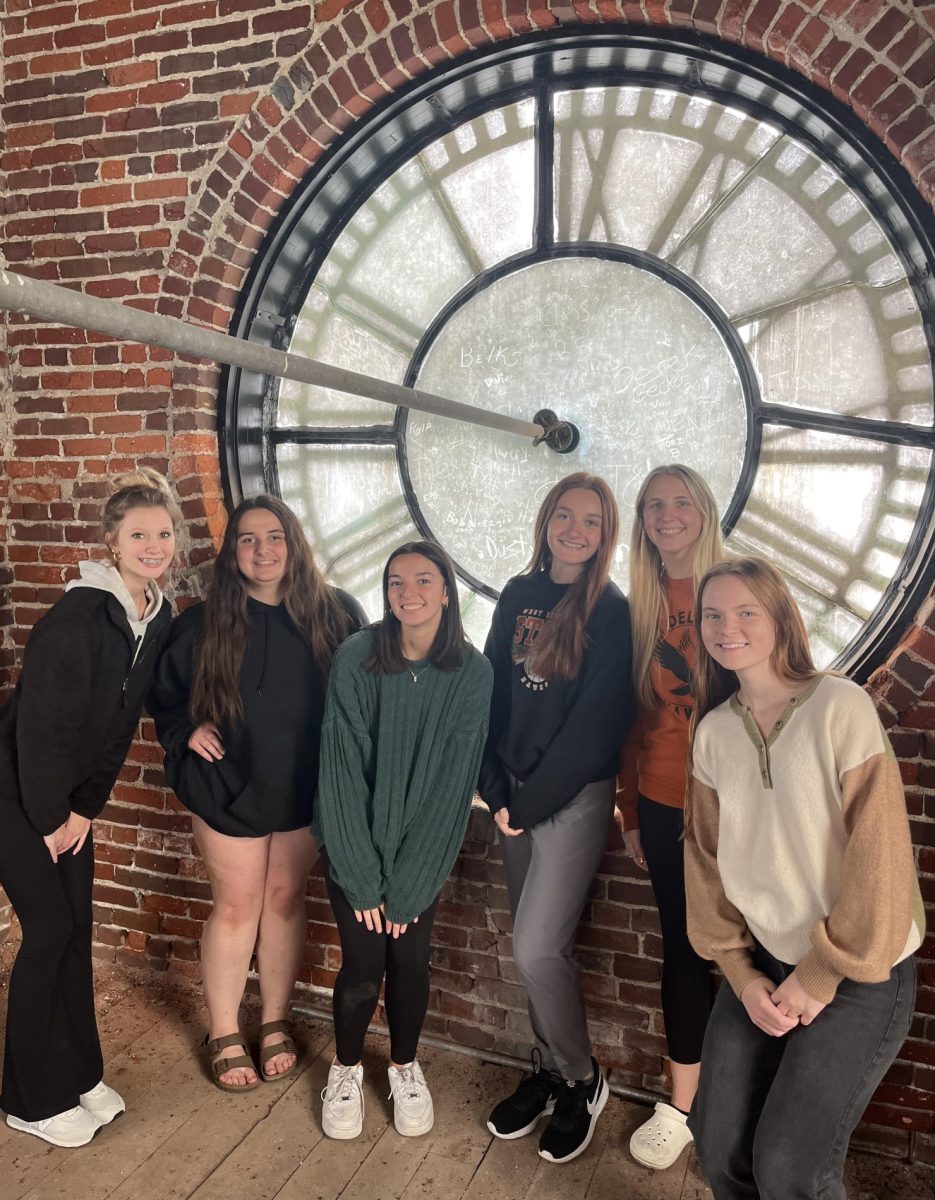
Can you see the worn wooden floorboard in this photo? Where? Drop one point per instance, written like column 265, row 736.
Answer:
column 618, row 1175
column 26, row 1162
column 147, row 1076
column 182, row 1139
column 272, row 1151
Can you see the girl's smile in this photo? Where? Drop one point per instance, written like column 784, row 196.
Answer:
column 262, row 552
column 416, row 591
column 735, row 629
column 671, row 520
column 574, row 533
column 143, row 546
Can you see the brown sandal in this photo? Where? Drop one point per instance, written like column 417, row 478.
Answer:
column 220, row 1066
column 286, row 1045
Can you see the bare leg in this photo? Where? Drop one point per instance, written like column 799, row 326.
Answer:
column 283, row 931
column 237, row 870
column 684, row 1083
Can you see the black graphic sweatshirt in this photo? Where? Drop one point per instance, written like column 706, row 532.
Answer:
column 554, row 736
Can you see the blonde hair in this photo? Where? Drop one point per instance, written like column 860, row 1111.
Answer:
column 561, row 643
column 142, row 488
column 648, row 605
column 790, row 660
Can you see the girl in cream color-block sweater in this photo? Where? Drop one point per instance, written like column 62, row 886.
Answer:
column 801, row 885
column 806, row 836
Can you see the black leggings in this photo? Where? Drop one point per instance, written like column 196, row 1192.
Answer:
column 365, row 958
column 52, row 1049
column 686, row 978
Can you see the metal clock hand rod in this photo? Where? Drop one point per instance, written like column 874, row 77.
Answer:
column 49, row 302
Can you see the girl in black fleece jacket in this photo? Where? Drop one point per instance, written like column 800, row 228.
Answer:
column 64, row 736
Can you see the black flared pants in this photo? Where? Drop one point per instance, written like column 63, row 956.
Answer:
column 53, row 1052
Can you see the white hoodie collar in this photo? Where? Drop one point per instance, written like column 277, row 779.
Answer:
column 106, row 578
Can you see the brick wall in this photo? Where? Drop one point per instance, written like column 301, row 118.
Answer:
column 148, row 145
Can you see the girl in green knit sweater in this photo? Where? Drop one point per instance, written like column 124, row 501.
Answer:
column 405, row 724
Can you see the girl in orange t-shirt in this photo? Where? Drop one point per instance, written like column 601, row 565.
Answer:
column 676, row 537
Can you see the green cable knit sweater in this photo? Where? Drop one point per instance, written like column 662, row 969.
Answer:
column 399, row 761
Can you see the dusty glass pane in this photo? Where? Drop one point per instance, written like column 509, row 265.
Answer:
column 398, row 260
column 839, row 352
column 829, row 626
column 476, row 614
column 639, row 167
column 626, row 357
column 322, row 332
column 418, row 262
column 822, row 510
column 350, row 502
column 487, row 182
column 790, row 228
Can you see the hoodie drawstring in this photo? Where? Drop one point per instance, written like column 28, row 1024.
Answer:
column 259, row 686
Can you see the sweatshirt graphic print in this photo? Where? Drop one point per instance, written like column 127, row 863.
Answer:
column 528, row 624
column 676, row 652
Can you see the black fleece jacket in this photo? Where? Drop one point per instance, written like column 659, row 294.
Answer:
column 553, row 736
column 66, row 730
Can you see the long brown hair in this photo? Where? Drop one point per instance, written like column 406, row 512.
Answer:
column 311, row 604
column 561, row 643
column 648, row 606
column 450, row 644
column 791, row 658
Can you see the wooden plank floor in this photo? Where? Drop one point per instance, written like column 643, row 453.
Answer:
column 183, row 1138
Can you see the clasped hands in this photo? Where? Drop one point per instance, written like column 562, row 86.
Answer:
column 375, row 918
column 777, row 1009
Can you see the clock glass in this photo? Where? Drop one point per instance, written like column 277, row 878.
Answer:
column 683, row 257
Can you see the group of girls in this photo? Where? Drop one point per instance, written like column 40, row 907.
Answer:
column 293, row 729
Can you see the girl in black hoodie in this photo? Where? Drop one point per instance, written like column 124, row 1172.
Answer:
column 64, row 735
column 238, row 704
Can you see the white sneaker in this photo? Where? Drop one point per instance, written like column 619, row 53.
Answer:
column 660, row 1140
column 75, row 1127
column 103, row 1102
column 342, row 1113
column 413, row 1111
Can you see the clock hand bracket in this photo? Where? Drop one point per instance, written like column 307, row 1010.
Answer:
column 560, row 436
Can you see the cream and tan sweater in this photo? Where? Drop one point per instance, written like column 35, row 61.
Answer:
column 801, row 841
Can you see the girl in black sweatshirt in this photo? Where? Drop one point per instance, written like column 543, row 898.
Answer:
column 562, row 701
column 64, row 735
column 238, row 704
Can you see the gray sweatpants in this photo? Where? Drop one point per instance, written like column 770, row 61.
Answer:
column 549, row 869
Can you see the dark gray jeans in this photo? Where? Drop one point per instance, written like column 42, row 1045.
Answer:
column 773, row 1116
column 549, row 870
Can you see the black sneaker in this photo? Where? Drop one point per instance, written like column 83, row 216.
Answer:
column 535, row 1098
column 577, row 1108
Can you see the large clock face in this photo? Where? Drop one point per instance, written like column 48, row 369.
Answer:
column 687, row 275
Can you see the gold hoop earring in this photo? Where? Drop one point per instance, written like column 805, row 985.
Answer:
column 115, row 554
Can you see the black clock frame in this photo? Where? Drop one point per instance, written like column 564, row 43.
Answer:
column 302, row 236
